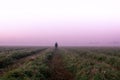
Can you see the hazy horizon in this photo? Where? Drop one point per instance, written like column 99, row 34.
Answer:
column 68, row 22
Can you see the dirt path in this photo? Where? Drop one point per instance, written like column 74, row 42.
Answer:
column 58, row 71
column 20, row 62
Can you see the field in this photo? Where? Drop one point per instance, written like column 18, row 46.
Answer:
column 65, row 63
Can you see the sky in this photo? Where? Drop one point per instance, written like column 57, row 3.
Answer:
column 68, row 22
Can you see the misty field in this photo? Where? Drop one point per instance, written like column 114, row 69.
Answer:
column 65, row 63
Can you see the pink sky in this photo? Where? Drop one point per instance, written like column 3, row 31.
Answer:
column 69, row 22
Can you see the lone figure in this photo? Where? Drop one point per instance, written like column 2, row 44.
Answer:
column 56, row 45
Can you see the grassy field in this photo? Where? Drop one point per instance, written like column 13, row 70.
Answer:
column 67, row 63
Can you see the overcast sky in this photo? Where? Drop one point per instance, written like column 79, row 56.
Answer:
column 69, row 22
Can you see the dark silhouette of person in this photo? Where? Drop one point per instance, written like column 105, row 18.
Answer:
column 56, row 45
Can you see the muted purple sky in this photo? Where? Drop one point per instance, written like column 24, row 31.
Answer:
column 69, row 22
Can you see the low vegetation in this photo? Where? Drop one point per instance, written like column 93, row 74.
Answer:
column 8, row 59
column 35, row 69
column 88, row 64
column 80, row 63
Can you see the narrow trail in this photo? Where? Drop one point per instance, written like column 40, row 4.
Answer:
column 20, row 62
column 58, row 71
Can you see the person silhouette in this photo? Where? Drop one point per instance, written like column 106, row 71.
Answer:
column 56, row 45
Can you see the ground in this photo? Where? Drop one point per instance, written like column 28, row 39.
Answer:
column 73, row 63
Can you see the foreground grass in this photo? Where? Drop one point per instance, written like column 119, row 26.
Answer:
column 8, row 59
column 86, row 65
column 36, row 69
column 82, row 63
